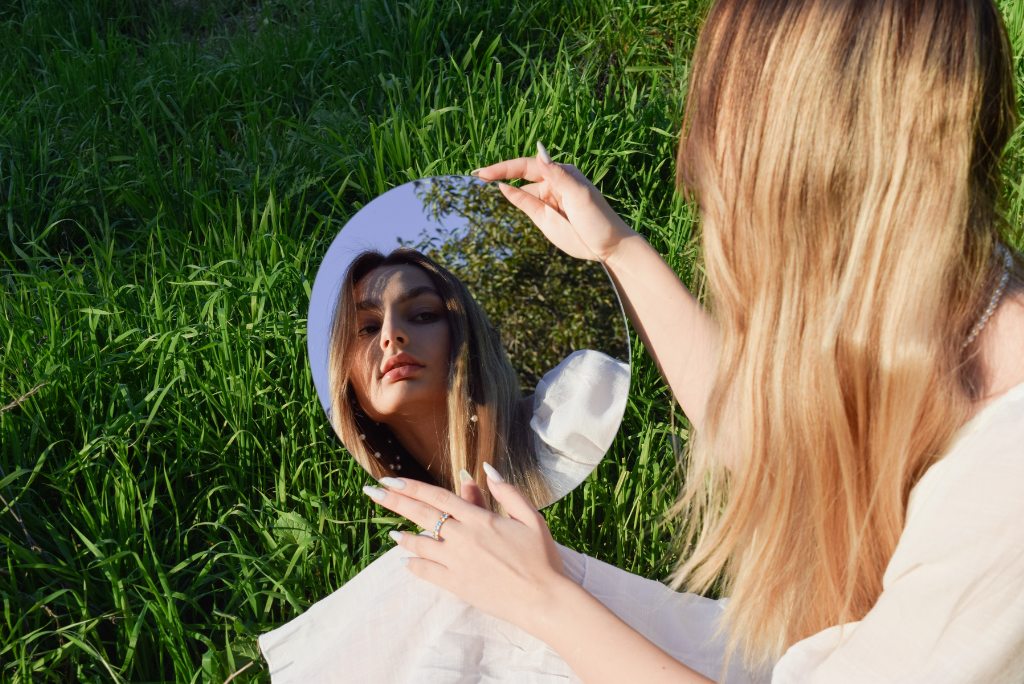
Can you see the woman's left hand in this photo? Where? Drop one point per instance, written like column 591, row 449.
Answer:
column 507, row 567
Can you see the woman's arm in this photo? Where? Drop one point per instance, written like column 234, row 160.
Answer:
column 674, row 327
column 511, row 569
column 676, row 330
column 599, row 646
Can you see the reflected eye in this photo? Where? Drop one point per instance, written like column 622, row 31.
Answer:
column 425, row 317
column 369, row 329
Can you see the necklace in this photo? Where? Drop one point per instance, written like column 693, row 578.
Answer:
column 994, row 302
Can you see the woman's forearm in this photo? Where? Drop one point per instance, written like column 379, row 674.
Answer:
column 599, row 646
column 678, row 332
column 510, row 568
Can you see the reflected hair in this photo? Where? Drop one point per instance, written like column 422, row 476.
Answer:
column 481, row 383
column 845, row 155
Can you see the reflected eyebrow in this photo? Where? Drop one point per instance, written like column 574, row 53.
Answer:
column 374, row 305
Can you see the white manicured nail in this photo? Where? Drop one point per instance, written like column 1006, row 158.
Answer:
column 475, row 172
column 542, row 153
column 396, row 536
column 492, row 473
column 392, row 482
column 375, row 493
column 465, row 476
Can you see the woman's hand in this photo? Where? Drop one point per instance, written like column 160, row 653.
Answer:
column 470, row 490
column 566, row 206
column 511, row 569
column 506, row 567
column 674, row 327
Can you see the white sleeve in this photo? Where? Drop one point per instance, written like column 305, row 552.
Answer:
column 577, row 409
column 387, row 626
column 952, row 605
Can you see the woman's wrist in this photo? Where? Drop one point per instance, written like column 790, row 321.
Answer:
column 598, row 645
column 626, row 245
column 555, row 606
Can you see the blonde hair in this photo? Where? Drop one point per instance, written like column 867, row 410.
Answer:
column 481, row 383
column 845, row 156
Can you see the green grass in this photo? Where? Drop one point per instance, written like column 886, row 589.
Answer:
column 170, row 176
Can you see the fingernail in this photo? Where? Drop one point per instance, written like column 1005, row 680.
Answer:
column 405, row 561
column 392, row 482
column 465, row 476
column 492, row 474
column 396, row 536
column 375, row 493
column 542, row 153
column 475, row 172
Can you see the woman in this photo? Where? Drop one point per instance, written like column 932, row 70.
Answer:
column 858, row 396
column 421, row 387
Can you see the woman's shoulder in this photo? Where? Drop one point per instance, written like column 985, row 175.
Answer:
column 579, row 404
column 577, row 409
column 974, row 494
column 579, row 374
column 951, row 609
column 985, row 457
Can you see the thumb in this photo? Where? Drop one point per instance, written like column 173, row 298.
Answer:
column 470, row 490
column 554, row 225
column 559, row 177
column 511, row 499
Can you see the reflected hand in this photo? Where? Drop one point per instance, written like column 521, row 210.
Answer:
column 507, row 567
column 566, row 206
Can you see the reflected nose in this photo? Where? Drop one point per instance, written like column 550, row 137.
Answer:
column 392, row 332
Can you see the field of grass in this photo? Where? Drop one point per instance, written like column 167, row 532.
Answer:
column 171, row 174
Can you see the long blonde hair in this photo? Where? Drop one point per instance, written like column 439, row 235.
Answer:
column 845, row 156
column 487, row 419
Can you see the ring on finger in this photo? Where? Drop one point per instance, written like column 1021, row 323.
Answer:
column 437, row 527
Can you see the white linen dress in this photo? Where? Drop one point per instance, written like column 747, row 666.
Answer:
column 952, row 608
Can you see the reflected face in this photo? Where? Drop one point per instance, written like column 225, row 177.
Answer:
column 400, row 368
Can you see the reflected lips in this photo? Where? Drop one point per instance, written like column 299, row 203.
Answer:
column 400, row 366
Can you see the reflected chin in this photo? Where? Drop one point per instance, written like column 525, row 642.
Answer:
column 399, row 396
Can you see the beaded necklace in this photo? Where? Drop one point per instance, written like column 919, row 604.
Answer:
column 994, row 302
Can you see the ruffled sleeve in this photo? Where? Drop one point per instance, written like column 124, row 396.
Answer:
column 577, row 409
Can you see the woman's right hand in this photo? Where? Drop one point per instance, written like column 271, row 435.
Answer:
column 674, row 327
column 566, row 206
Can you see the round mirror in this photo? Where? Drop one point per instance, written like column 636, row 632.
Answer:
column 445, row 331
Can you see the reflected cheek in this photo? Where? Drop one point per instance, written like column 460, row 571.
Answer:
column 442, row 352
column 363, row 380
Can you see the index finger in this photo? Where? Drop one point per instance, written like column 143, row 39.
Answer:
column 527, row 168
column 439, row 498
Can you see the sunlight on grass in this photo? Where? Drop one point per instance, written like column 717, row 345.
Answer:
column 170, row 176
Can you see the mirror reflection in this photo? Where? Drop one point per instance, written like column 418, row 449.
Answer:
column 446, row 332
column 548, row 303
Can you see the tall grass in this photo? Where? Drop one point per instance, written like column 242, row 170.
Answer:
column 171, row 174
column 170, row 177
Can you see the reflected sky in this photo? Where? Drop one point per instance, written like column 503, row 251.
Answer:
column 395, row 218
